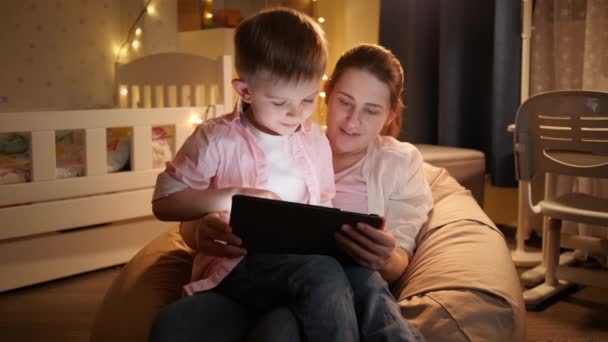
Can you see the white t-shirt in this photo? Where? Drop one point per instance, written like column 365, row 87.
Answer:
column 284, row 177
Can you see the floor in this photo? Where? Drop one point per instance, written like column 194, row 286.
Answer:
column 64, row 310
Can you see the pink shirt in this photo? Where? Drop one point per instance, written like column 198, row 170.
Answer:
column 351, row 189
column 222, row 153
column 397, row 189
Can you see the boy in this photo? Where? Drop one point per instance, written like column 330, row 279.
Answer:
column 267, row 147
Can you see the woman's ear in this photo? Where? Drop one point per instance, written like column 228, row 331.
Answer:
column 391, row 116
column 242, row 89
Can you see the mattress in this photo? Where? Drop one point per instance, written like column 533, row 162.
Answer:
column 15, row 158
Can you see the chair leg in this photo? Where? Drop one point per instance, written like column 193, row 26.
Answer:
column 519, row 255
column 536, row 275
column 552, row 285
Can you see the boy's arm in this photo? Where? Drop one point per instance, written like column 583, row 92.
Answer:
column 190, row 204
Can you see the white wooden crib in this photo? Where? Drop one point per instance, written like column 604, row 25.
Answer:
column 50, row 227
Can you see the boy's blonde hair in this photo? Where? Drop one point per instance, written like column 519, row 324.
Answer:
column 282, row 43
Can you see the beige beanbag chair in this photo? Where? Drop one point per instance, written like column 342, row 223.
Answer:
column 460, row 286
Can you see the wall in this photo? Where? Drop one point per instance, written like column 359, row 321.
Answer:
column 60, row 54
column 348, row 23
column 57, row 54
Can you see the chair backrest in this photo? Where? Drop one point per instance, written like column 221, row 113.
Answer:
column 563, row 132
column 174, row 80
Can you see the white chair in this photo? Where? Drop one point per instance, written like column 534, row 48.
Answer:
column 174, row 80
column 564, row 132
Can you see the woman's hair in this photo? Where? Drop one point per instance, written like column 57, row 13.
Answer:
column 282, row 42
column 381, row 63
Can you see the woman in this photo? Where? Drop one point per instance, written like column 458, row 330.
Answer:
column 374, row 173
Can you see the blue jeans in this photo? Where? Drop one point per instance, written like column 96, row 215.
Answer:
column 209, row 316
column 378, row 314
column 314, row 288
column 314, row 295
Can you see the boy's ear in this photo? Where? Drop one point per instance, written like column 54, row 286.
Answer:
column 242, row 89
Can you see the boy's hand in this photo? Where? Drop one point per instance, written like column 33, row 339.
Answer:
column 258, row 193
column 214, row 237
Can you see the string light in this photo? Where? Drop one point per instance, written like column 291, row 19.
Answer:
column 124, row 91
column 196, row 120
column 151, row 10
column 321, row 20
column 134, row 32
column 324, row 77
column 208, row 15
column 322, row 94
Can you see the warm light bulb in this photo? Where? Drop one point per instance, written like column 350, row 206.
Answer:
column 325, row 77
column 151, row 9
column 138, row 32
column 123, row 91
column 321, row 20
column 322, row 94
column 196, row 120
column 208, row 15
column 135, row 44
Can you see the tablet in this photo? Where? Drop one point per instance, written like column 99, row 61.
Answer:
column 280, row 227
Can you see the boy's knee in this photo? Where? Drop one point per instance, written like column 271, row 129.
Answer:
column 320, row 273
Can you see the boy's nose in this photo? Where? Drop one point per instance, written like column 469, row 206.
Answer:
column 295, row 111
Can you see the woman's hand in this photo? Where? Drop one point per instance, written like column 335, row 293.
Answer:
column 213, row 236
column 368, row 246
column 373, row 248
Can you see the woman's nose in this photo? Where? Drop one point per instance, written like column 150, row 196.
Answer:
column 352, row 120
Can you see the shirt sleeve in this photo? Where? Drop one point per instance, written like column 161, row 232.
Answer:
column 410, row 199
column 167, row 185
column 195, row 164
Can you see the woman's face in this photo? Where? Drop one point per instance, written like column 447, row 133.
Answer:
column 358, row 107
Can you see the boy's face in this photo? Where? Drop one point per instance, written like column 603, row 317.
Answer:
column 278, row 106
column 358, row 107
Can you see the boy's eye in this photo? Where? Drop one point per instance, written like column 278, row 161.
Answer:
column 309, row 101
column 278, row 104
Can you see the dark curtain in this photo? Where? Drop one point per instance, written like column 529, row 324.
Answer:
column 462, row 67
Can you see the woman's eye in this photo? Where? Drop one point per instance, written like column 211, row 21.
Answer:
column 278, row 104
column 372, row 112
column 309, row 101
column 345, row 103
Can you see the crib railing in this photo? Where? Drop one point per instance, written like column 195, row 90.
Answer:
column 188, row 80
column 52, row 227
